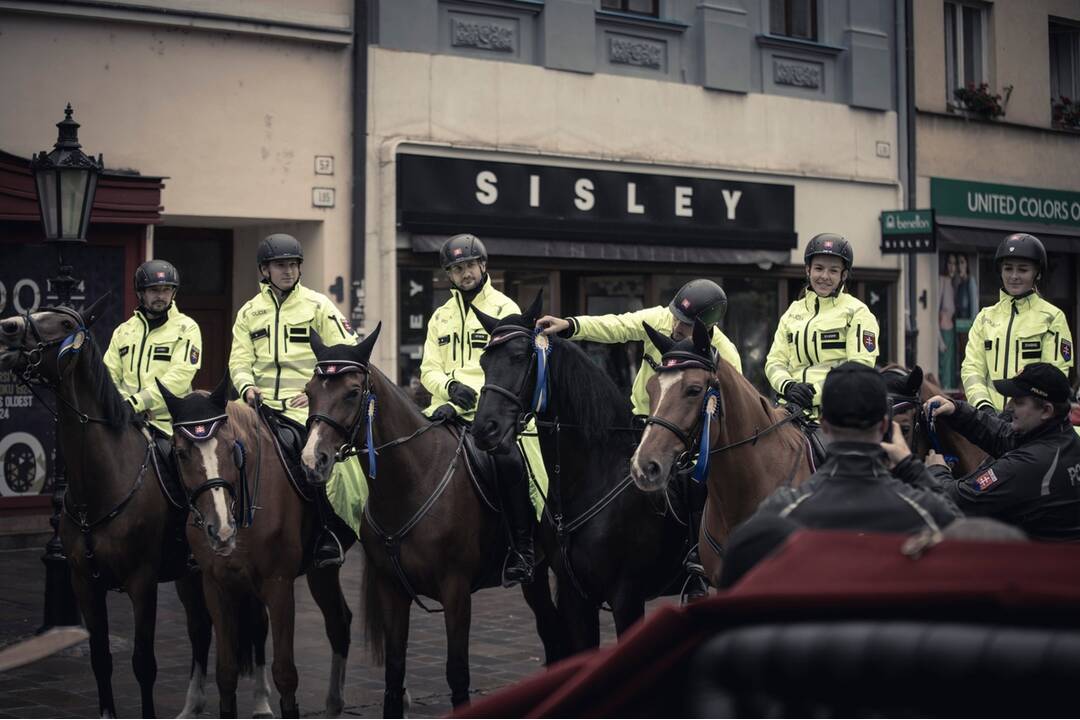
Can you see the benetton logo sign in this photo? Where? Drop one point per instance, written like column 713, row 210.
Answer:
column 439, row 194
column 1008, row 203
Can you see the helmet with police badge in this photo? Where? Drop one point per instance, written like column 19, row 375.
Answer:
column 462, row 248
column 830, row 244
column 156, row 272
column 279, row 246
column 701, row 300
column 1023, row 246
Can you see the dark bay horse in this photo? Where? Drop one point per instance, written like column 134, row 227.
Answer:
column 426, row 529
column 609, row 542
column 252, row 535
column 908, row 390
column 119, row 528
column 700, row 401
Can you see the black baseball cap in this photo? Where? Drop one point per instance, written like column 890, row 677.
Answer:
column 1041, row 380
column 854, row 396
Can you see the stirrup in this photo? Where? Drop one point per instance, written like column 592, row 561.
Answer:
column 511, row 572
column 694, row 588
column 339, row 558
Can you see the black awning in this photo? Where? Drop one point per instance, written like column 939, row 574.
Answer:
column 954, row 237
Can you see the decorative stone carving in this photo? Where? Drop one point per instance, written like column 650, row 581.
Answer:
column 797, row 74
column 483, row 35
column 636, row 52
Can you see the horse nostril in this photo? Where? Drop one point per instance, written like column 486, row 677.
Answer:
column 9, row 327
column 490, row 429
column 652, row 469
column 211, row 529
column 322, row 459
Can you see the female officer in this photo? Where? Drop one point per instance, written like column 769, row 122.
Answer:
column 1020, row 329
column 822, row 329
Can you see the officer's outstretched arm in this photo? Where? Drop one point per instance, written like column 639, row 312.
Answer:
column 624, row 327
column 242, row 355
column 973, row 371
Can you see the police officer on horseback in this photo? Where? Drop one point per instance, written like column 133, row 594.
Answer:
column 451, row 372
column 701, row 300
column 1020, row 329
column 271, row 359
column 158, row 342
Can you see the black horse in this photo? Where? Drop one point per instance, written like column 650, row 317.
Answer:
column 615, row 543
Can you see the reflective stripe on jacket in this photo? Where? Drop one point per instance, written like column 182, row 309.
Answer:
column 271, row 347
column 627, row 327
column 138, row 355
column 1006, row 337
column 815, row 335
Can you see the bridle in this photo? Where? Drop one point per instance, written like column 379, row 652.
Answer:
column 350, row 434
column 538, row 365
column 241, row 503
column 901, row 403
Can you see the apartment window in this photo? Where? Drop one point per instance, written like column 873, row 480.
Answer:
column 1064, row 61
column 793, row 18
column 965, row 46
column 637, row 7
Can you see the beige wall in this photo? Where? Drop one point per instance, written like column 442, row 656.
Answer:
column 826, row 150
column 234, row 121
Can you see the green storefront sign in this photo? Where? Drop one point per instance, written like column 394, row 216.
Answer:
column 1006, row 204
column 904, row 231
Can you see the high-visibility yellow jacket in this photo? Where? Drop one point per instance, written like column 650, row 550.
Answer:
column 271, row 347
column 455, row 341
column 1006, row 337
column 815, row 335
column 138, row 355
column 627, row 327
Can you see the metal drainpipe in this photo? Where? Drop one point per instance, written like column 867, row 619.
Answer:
column 906, row 103
column 357, row 265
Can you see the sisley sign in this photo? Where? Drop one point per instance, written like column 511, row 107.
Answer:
column 444, row 195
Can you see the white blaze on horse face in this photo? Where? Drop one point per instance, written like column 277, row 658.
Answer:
column 667, row 381
column 220, row 516
column 308, row 455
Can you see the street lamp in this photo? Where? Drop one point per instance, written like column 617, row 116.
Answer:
column 66, row 181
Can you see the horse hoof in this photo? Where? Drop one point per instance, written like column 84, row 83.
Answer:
column 334, row 710
column 265, row 714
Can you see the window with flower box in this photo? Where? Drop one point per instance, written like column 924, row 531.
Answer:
column 1065, row 74
column 965, row 46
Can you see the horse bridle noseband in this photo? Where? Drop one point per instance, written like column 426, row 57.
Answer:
column 540, row 350
column 350, row 434
column 242, row 508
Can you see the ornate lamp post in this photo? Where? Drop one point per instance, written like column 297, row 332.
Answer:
column 66, row 180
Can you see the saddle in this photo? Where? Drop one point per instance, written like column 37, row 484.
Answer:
column 165, row 469
column 481, row 466
column 289, row 439
column 812, row 431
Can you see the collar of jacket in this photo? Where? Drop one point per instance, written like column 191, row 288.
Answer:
column 268, row 290
column 1022, row 301
column 1050, row 427
column 155, row 323
column 854, row 458
column 826, row 302
column 481, row 295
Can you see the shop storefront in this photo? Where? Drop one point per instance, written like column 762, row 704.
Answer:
column 972, row 219
column 125, row 205
column 599, row 239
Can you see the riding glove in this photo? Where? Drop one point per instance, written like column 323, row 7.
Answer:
column 443, row 412
column 462, row 395
column 801, row 394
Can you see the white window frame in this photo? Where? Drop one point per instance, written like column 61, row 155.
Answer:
column 954, row 42
column 1073, row 92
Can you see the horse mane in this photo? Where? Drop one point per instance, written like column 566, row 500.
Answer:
column 114, row 407
column 747, row 388
column 241, row 416
column 407, row 402
column 585, row 393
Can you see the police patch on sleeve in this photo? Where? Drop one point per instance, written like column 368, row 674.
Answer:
column 985, row 481
column 1066, row 350
column 869, row 340
column 194, row 356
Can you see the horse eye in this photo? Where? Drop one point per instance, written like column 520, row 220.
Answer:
column 352, row 394
column 519, row 359
column 693, row 390
column 905, row 429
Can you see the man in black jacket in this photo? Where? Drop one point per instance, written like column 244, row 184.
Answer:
column 1032, row 478
column 865, row 484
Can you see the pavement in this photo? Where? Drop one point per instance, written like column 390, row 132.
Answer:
column 504, row 649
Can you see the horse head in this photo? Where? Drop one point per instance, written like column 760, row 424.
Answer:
column 45, row 342
column 339, row 395
column 681, row 392
column 510, row 375
column 209, row 456
column 905, row 399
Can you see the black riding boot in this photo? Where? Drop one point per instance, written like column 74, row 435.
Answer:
column 696, row 586
column 520, row 517
column 328, row 550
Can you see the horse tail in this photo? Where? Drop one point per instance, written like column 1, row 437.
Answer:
column 250, row 614
column 374, row 628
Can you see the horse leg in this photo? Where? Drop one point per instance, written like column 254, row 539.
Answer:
column 548, row 624
column 395, row 605
column 282, row 604
column 580, row 616
column 91, row 597
column 627, row 608
column 223, row 611
column 142, row 590
column 457, row 602
column 260, row 629
column 189, row 590
column 325, row 586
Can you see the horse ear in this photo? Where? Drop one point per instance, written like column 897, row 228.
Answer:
column 914, row 381
column 701, row 339
column 317, row 345
column 537, row 306
column 662, row 342
column 91, row 314
column 486, row 321
column 220, row 395
column 362, row 352
column 171, row 401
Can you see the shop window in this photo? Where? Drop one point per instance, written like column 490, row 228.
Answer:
column 959, row 300
column 1064, row 62
column 965, row 46
column 793, row 18
column 636, row 7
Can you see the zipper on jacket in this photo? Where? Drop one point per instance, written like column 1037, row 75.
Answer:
column 461, row 312
column 142, row 347
column 1008, row 340
column 806, row 331
column 798, row 356
column 277, row 361
column 997, row 365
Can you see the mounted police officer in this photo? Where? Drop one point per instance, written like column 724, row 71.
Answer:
column 1020, row 329
column 158, row 342
column 271, row 359
column 702, row 300
column 1032, row 478
column 823, row 328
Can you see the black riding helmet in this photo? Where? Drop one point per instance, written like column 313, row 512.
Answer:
column 701, row 300
column 1023, row 246
column 156, row 272
column 830, row 244
column 279, row 246
column 461, row 248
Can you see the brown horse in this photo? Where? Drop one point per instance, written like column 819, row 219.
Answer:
column 426, row 529
column 752, row 447
column 252, row 534
column 908, row 390
column 119, row 528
